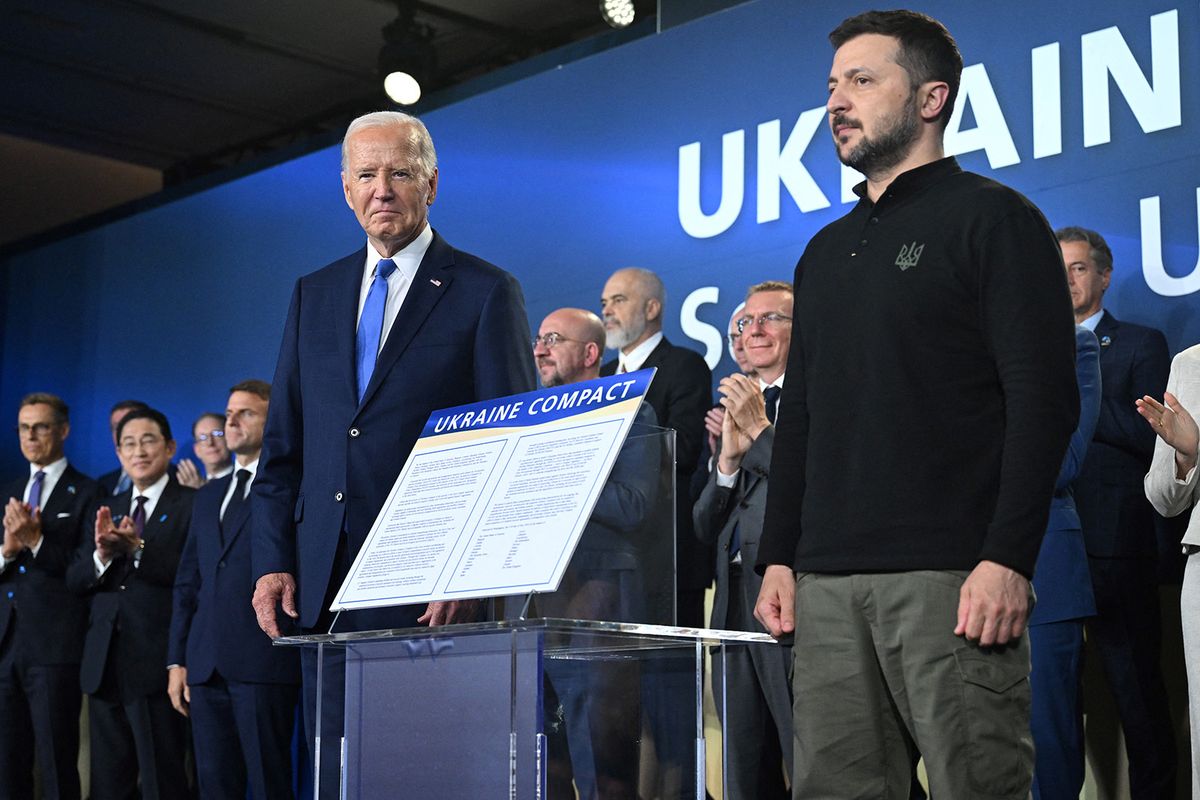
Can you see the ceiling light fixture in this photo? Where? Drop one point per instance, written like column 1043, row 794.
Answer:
column 408, row 59
column 617, row 13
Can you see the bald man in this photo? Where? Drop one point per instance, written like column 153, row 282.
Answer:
column 600, row 702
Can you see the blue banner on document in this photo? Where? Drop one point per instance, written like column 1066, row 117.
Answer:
column 542, row 406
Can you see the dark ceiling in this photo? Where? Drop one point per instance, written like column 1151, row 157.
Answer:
column 176, row 89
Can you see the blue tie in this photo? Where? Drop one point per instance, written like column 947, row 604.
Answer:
column 370, row 324
column 35, row 491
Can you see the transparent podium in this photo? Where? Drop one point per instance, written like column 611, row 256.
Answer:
column 588, row 692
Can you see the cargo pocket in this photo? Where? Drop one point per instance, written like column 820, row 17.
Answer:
column 996, row 706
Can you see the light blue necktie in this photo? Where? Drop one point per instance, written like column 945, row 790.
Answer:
column 370, row 324
column 35, row 491
column 123, row 485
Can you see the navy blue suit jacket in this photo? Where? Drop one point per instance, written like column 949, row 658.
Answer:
column 328, row 461
column 1061, row 579
column 1116, row 517
column 33, row 591
column 135, row 600
column 213, row 627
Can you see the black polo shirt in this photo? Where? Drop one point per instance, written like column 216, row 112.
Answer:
column 931, row 383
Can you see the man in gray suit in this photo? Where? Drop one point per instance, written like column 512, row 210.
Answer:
column 753, row 695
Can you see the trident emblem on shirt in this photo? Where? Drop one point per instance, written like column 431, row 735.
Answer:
column 909, row 255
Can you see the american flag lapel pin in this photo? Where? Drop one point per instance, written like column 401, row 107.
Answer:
column 435, row 282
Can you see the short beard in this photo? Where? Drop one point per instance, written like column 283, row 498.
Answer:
column 622, row 336
column 891, row 146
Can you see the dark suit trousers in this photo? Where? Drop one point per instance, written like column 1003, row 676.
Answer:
column 39, row 709
column 757, row 745
column 1056, row 653
column 137, row 740
column 263, row 715
column 1126, row 633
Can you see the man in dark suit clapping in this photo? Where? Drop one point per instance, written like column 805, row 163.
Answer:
column 137, row 739
column 42, row 623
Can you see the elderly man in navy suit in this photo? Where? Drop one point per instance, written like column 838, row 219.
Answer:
column 239, row 691
column 46, row 520
column 1118, row 521
column 372, row 344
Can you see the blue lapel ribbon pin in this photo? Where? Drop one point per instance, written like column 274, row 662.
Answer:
column 1105, row 341
column 71, row 489
column 163, row 518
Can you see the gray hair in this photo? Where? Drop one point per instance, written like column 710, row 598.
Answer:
column 1098, row 249
column 397, row 119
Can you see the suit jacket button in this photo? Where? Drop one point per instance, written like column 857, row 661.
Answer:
column 338, row 496
column 221, row 564
column 121, row 587
column 354, row 433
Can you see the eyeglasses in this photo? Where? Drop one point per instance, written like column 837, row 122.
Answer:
column 734, row 338
column 772, row 319
column 216, row 435
column 550, row 339
column 38, row 429
column 148, row 442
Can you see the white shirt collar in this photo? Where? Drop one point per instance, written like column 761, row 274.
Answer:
column 152, row 493
column 407, row 260
column 53, row 471
column 1091, row 322
column 633, row 361
column 222, row 472
column 252, row 467
column 777, row 382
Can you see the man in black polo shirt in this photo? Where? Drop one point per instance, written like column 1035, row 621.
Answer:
column 931, row 395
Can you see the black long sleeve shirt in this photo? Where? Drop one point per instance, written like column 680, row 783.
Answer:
column 931, row 383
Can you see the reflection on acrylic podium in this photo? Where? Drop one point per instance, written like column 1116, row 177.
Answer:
column 589, row 691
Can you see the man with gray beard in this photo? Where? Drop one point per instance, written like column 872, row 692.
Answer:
column 632, row 305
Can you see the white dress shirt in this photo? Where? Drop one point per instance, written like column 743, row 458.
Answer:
column 407, row 262
column 633, row 361
column 152, row 494
column 253, row 468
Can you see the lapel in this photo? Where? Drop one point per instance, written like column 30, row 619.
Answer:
column 65, row 493
column 657, row 355
column 234, row 521
column 163, row 516
column 346, row 287
column 1107, row 332
column 422, row 296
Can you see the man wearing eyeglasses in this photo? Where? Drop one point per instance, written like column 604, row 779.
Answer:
column 601, row 708
column 128, row 566
column 42, row 623
column 633, row 304
column 208, row 443
column 757, row 706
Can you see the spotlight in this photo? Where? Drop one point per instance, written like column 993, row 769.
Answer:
column 407, row 59
column 617, row 13
column 402, row 88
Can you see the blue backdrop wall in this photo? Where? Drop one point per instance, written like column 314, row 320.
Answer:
column 701, row 153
